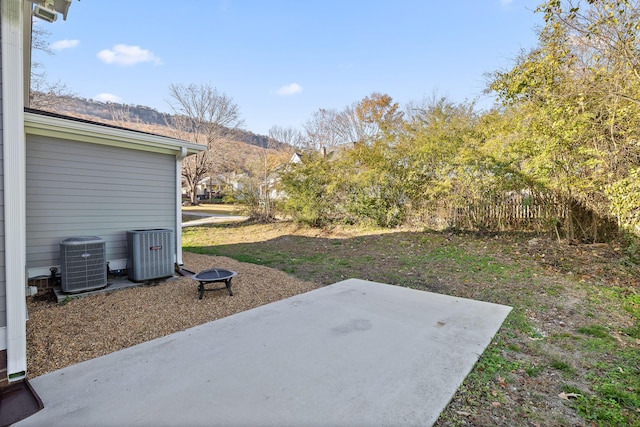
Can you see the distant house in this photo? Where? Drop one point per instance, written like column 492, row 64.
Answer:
column 295, row 158
column 63, row 177
column 336, row 150
column 217, row 184
column 269, row 189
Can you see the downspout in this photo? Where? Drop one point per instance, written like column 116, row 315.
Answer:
column 179, row 157
column 14, row 185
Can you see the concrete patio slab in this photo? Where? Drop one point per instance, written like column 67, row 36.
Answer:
column 355, row 353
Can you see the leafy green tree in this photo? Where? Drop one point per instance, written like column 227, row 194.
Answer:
column 372, row 179
column 308, row 190
column 448, row 152
column 371, row 186
column 358, row 183
column 382, row 114
column 575, row 103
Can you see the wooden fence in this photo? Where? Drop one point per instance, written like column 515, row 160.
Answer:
column 512, row 211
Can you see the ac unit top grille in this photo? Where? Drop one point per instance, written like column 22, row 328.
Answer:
column 83, row 240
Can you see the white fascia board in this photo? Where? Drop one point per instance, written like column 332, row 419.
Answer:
column 62, row 6
column 36, row 124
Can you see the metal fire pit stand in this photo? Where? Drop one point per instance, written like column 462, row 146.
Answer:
column 214, row 275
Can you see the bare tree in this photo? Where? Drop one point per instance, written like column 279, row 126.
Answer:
column 39, row 37
column 260, row 191
column 351, row 128
column 207, row 116
column 273, row 158
column 49, row 96
column 287, row 136
column 328, row 128
column 44, row 95
column 321, row 130
column 120, row 113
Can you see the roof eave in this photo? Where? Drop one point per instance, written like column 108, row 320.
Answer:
column 36, row 124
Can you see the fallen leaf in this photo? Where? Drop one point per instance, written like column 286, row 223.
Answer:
column 463, row 413
column 501, row 381
column 568, row 396
column 536, row 338
column 495, row 404
column 620, row 340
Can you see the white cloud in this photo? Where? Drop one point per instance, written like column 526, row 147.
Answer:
column 290, row 89
column 64, row 44
column 506, row 2
column 107, row 97
column 122, row 54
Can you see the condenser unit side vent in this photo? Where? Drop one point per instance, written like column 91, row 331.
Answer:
column 150, row 254
column 83, row 263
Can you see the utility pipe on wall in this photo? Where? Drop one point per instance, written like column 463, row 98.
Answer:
column 179, row 157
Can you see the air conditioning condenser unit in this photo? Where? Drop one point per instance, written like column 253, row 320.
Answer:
column 150, row 254
column 83, row 263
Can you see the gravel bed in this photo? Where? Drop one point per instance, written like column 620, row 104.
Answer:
column 62, row 335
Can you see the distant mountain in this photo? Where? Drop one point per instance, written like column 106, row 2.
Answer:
column 237, row 152
column 140, row 114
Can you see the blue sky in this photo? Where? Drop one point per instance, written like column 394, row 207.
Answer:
column 282, row 60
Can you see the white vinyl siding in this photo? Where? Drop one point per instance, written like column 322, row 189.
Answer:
column 3, row 286
column 3, row 282
column 80, row 189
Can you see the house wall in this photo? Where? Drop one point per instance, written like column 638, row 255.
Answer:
column 81, row 189
column 3, row 297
